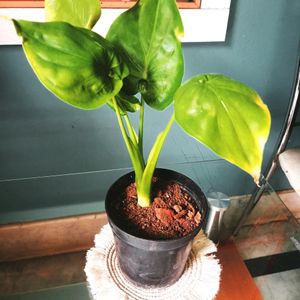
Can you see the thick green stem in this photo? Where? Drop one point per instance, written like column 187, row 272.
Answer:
column 141, row 125
column 131, row 130
column 131, row 147
column 144, row 188
column 133, row 137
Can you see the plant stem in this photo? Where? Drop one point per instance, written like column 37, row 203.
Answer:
column 133, row 137
column 131, row 147
column 131, row 130
column 144, row 188
column 141, row 125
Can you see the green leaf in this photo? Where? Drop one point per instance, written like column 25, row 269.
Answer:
column 147, row 35
column 77, row 65
column 126, row 103
column 227, row 116
column 81, row 13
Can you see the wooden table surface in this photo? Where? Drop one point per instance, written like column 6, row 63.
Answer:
column 236, row 281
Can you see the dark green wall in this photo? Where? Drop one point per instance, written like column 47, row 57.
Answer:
column 57, row 160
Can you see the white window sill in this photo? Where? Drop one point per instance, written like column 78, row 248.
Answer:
column 208, row 24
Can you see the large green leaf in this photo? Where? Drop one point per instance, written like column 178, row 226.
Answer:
column 77, row 65
column 81, row 13
column 227, row 116
column 148, row 37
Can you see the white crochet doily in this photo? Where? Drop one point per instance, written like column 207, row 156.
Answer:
column 200, row 280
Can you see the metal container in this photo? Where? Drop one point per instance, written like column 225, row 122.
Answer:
column 218, row 203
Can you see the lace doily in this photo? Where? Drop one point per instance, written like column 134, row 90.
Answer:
column 200, row 280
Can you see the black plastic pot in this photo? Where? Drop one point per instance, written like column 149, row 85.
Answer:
column 152, row 262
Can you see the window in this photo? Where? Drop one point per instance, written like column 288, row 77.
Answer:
column 207, row 23
column 104, row 3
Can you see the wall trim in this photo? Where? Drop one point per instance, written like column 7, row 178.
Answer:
column 49, row 237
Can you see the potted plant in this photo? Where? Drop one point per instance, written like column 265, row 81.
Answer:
column 154, row 213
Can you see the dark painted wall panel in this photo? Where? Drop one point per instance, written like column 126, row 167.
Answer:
column 54, row 196
column 45, row 137
column 40, row 136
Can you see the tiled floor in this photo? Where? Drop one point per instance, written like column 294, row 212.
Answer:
column 280, row 286
column 292, row 201
column 77, row 291
column 269, row 230
column 272, row 229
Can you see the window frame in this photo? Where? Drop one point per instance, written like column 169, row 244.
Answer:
column 212, row 17
column 192, row 4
